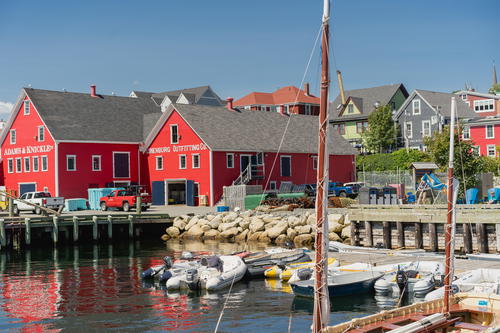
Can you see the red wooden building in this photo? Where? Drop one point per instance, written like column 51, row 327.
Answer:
column 485, row 135
column 484, row 105
column 182, row 144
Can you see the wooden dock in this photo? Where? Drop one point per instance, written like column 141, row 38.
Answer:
column 422, row 226
column 21, row 230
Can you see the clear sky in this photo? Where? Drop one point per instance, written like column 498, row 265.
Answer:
column 242, row 46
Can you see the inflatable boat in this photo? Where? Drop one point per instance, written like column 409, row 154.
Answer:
column 284, row 272
column 216, row 273
column 258, row 262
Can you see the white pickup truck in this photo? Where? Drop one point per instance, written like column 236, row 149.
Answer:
column 43, row 199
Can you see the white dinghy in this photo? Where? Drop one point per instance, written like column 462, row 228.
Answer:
column 483, row 280
column 216, row 273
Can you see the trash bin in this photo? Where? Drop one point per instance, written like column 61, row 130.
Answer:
column 471, row 196
column 390, row 195
column 364, row 196
column 373, row 192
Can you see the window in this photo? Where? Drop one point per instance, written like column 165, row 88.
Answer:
column 315, row 162
column 416, row 106
column 392, row 105
column 485, row 105
column 96, row 162
column 27, row 164
column 286, row 166
column 12, row 136
column 350, row 108
column 70, row 163
column 408, row 130
column 359, row 127
column 260, row 158
column 365, row 125
column 278, row 109
column 174, row 135
column 159, row 162
column 182, row 161
column 45, row 163
column 490, row 134
column 230, row 160
column 342, row 129
column 121, row 164
column 463, row 97
column 46, row 189
column 196, row 161
column 10, row 164
column 19, row 165
column 491, row 150
column 426, row 128
column 307, row 109
column 26, row 107
column 35, row 164
column 466, row 132
column 41, row 133
column 272, row 185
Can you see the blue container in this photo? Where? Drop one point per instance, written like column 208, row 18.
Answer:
column 494, row 195
column 95, row 195
column 71, row 205
column 222, row 209
column 411, row 198
column 471, row 196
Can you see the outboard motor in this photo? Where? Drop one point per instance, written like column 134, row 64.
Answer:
column 402, row 281
column 148, row 273
column 304, row 274
column 192, row 279
column 186, row 255
column 167, row 274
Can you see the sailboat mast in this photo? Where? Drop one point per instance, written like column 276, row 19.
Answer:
column 320, row 286
column 449, row 216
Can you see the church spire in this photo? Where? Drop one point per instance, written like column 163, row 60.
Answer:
column 494, row 73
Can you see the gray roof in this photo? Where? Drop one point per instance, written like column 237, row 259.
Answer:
column 424, row 165
column 142, row 94
column 194, row 95
column 246, row 130
column 442, row 101
column 79, row 116
column 365, row 99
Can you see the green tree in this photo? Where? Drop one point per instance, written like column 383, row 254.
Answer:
column 381, row 132
column 467, row 163
column 400, row 159
column 495, row 89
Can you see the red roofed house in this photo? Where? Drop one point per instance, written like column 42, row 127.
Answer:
column 287, row 100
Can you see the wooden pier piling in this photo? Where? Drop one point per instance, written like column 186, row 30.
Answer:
column 27, row 223
column 95, row 228
column 386, row 227
column 401, row 234
column 467, row 237
column 55, row 229
column 419, row 240
column 110, row 227
column 75, row 229
column 3, row 236
column 131, row 226
column 369, row 234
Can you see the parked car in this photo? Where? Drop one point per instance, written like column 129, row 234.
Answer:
column 43, row 199
column 355, row 187
column 125, row 200
column 339, row 190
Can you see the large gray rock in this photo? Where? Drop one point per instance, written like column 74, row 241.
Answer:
column 205, row 227
column 334, row 237
column 264, row 237
column 311, row 219
column 173, row 232
column 242, row 236
column 304, row 229
column 230, row 217
column 277, row 230
column 211, row 234
column 346, row 232
column 192, row 222
column 194, row 233
column 245, row 223
column 209, row 217
column 256, row 225
column 270, row 218
column 215, row 222
column 281, row 239
column 291, row 233
column 224, row 226
column 180, row 224
column 303, row 240
column 229, row 233
column 336, row 218
column 254, row 236
column 335, row 227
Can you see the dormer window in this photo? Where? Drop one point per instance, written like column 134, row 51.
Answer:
column 350, row 108
column 26, row 108
column 416, row 106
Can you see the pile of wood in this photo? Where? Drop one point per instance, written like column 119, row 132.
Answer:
column 303, row 202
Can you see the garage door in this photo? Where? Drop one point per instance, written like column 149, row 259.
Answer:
column 23, row 188
column 158, row 192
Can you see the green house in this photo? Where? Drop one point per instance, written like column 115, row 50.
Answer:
column 351, row 118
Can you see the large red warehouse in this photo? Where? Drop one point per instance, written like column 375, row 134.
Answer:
column 181, row 144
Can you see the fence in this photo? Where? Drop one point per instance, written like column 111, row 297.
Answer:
column 382, row 178
column 234, row 196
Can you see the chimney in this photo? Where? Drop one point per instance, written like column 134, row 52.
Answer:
column 92, row 90
column 229, row 104
column 306, row 88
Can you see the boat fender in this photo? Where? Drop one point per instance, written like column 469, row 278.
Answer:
column 165, row 276
column 455, row 289
column 304, row 274
column 168, row 262
column 148, row 273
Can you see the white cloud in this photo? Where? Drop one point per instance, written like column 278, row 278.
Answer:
column 5, row 108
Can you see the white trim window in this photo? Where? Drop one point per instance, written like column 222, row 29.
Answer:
column 36, row 164
column 466, row 132
column 308, row 109
column 174, row 134
column 45, row 163
column 416, row 106
column 13, row 136
column 272, row 185
column 26, row 108
column 96, row 162
column 230, row 160
column 41, row 133
column 278, row 108
column 159, row 162
column 27, row 164
column 10, row 165
column 315, row 162
column 350, row 108
column 19, row 165
column 182, row 162
column 426, row 128
column 195, row 160
column 70, row 162
column 490, row 131
column 286, row 166
column 484, row 105
column 491, row 150
column 408, row 129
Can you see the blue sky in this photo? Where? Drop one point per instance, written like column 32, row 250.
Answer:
column 242, row 46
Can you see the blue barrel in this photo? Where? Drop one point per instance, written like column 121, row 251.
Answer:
column 471, row 196
column 221, row 209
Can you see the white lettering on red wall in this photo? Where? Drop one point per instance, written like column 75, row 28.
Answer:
column 197, row 147
column 28, row 150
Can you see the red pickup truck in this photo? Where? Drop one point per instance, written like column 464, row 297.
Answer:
column 124, row 200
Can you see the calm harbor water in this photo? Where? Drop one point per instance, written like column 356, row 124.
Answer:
column 97, row 288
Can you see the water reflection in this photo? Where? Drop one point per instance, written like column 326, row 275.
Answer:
column 99, row 287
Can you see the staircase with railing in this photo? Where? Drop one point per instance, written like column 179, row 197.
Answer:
column 251, row 172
